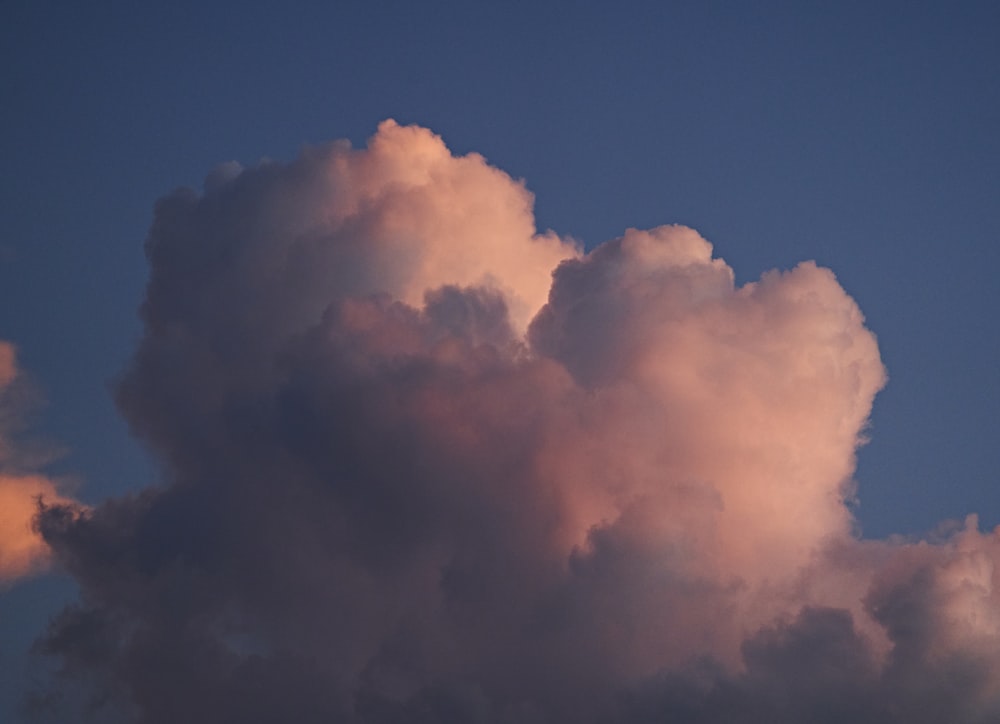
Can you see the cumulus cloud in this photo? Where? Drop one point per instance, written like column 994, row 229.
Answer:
column 22, row 550
column 425, row 464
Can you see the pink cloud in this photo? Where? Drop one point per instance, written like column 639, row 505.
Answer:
column 423, row 463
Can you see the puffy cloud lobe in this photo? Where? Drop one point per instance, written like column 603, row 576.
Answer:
column 938, row 605
column 264, row 251
column 758, row 393
column 424, row 464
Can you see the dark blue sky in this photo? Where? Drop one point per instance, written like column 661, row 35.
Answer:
column 862, row 137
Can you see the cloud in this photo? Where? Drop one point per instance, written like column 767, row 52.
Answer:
column 22, row 550
column 424, row 464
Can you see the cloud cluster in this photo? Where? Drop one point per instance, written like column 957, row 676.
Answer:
column 424, row 464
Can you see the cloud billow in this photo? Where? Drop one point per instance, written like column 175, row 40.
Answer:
column 422, row 463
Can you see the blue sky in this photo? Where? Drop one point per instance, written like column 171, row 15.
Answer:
column 861, row 135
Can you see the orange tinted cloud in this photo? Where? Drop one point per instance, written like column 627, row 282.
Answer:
column 22, row 550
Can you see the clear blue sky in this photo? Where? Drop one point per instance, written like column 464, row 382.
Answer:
column 861, row 135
